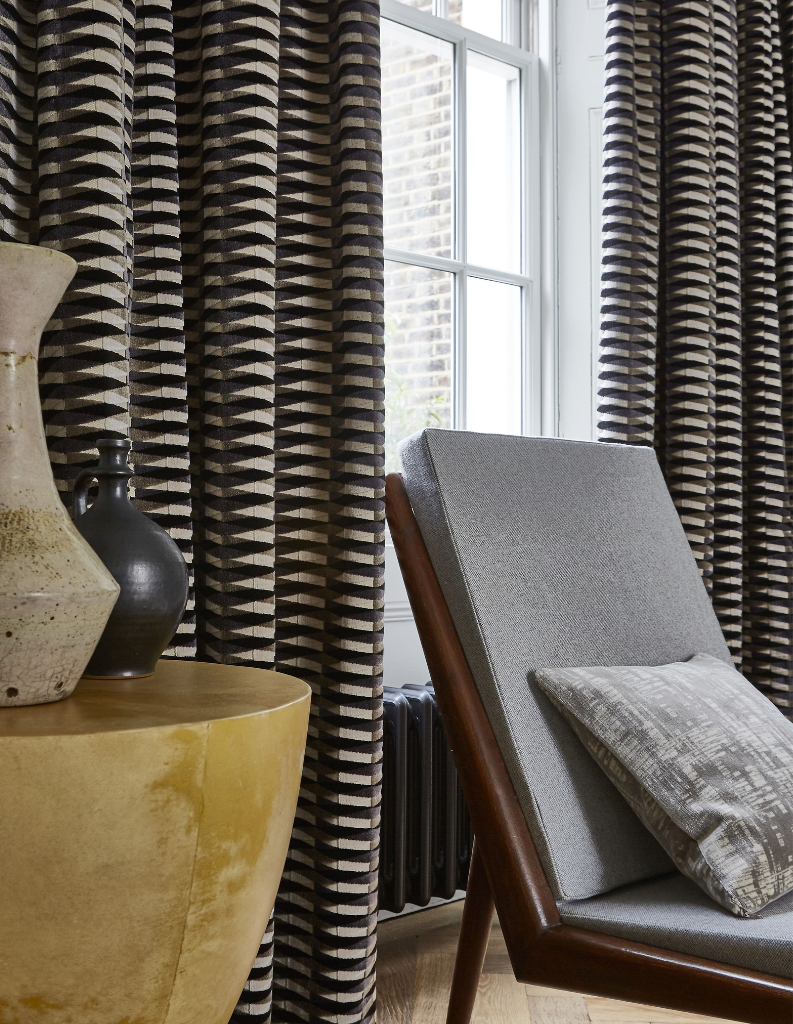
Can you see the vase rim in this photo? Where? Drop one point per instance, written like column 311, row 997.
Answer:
column 114, row 442
column 55, row 252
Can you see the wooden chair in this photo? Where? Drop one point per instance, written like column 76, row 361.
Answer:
column 453, row 474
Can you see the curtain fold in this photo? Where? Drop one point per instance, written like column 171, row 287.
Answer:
column 697, row 293
column 329, row 506
column 214, row 168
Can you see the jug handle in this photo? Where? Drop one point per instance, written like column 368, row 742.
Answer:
column 80, row 493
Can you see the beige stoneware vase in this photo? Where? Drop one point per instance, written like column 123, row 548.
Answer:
column 55, row 594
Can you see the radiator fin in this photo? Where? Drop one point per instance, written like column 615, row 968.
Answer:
column 425, row 837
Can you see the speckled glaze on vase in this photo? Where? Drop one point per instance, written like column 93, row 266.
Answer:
column 146, row 563
column 55, row 594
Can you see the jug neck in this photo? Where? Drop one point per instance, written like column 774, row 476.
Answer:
column 112, row 474
column 112, row 487
column 113, row 471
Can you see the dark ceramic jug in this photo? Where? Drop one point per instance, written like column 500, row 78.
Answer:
column 144, row 561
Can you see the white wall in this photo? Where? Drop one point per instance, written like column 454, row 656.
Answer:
column 580, row 32
column 403, row 659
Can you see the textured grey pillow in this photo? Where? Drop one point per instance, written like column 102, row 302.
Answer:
column 703, row 758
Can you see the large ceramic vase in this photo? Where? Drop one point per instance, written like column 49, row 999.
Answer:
column 141, row 557
column 55, row 594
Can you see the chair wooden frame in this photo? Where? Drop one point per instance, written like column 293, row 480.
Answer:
column 506, row 870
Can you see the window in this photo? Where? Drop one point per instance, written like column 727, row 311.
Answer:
column 467, row 140
column 461, row 198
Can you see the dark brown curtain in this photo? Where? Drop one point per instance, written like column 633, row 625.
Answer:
column 697, row 295
column 214, row 168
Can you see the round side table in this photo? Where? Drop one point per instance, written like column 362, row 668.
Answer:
column 143, row 831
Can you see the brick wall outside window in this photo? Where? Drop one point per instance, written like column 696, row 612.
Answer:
column 418, row 142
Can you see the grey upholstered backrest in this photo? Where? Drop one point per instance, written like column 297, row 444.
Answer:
column 554, row 552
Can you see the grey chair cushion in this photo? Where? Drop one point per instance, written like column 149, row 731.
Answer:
column 553, row 552
column 675, row 914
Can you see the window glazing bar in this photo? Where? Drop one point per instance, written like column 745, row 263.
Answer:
column 460, row 335
column 420, row 259
column 501, row 276
column 403, row 14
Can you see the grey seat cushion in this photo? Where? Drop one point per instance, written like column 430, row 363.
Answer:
column 553, row 552
column 675, row 914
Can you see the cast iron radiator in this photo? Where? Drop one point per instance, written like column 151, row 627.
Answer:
column 425, row 833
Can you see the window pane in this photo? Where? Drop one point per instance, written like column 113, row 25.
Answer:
column 417, row 140
column 422, row 5
column 480, row 15
column 418, row 352
column 493, row 358
column 493, row 163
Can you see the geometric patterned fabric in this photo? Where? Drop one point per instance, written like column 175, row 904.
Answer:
column 696, row 350
column 215, row 171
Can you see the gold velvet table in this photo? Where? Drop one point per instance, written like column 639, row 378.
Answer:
column 143, row 832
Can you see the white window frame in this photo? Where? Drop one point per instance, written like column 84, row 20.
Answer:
column 535, row 378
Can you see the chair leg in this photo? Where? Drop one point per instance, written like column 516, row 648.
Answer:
column 472, row 944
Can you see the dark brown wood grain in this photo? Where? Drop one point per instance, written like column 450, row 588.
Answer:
column 472, row 944
column 542, row 950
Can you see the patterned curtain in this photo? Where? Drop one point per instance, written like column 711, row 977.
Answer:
column 214, row 168
column 697, row 295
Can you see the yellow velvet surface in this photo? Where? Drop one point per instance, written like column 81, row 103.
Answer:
column 143, row 833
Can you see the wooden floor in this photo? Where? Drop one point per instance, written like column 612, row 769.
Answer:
column 414, row 974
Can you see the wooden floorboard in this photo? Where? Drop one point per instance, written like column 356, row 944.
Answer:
column 414, row 974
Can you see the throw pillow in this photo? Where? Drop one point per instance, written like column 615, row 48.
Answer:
column 705, row 761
